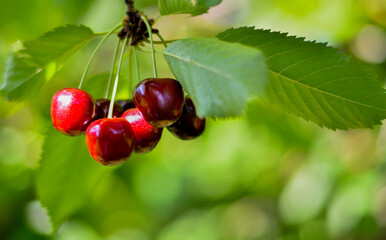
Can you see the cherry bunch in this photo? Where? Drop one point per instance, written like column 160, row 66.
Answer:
column 114, row 129
column 136, row 125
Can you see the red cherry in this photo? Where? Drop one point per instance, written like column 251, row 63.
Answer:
column 146, row 136
column 72, row 110
column 103, row 106
column 189, row 126
column 110, row 141
column 126, row 104
column 160, row 100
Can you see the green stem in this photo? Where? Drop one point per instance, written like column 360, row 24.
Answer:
column 95, row 51
column 162, row 40
column 110, row 115
column 112, row 69
column 157, row 19
column 136, row 64
column 152, row 44
column 130, row 63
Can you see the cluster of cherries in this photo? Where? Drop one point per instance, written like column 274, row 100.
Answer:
column 136, row 125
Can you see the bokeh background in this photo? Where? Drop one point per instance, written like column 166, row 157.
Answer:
column 267, row 175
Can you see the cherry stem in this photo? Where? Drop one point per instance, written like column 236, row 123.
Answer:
column 130, row 65
column 152, row 44
column 157, row 19
column 162, row 39
column 95, row 51
column 136, row 64
column 112, row 69
column 110, row 115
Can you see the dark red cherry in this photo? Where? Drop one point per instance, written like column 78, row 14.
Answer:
column 126, row 104
column 72, row 110
column 160, row 100
column 110, row 141
column 189, row 126
column 103, row 106
column 146, row 136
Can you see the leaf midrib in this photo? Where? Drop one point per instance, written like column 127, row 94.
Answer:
column 277, row 74
column 199, row 65
column 324, row 92
column 41, row 68
column 71, row 49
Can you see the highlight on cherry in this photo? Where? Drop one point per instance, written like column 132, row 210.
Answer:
column 114, row 129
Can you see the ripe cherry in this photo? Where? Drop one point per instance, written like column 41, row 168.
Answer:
column 72, row 110
column 110, row 141
column 160, row 100
column 189, row 126
column 146, row 136
column 126, row 104
column 103, row 106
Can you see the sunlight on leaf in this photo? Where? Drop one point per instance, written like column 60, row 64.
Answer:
column 37, row 62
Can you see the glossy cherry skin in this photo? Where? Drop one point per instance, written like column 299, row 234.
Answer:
column 160, row 100
column 72, row 110
column 126, row 104
column 110, row 141
column 102, row 109
column 189, row 126
column 146, row 136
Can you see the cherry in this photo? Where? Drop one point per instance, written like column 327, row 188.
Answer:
column 146, row 136
column 103, row 106
column 72, row 110
column 160, row 100
column 110, row 141
column 189, row 126
column 126, row 104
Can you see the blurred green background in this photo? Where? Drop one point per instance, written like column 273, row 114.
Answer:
column 268, row 175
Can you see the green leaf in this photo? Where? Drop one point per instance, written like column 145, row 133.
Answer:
column 23, row 78
column 67, row 177
column 217, row 75
column 316, row 82
column 29, row 68
column 57, row 43
column 169, row 7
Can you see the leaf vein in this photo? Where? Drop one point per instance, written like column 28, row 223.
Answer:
column 333, row 95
